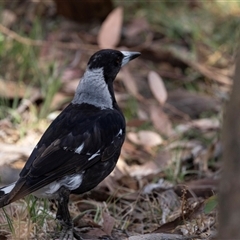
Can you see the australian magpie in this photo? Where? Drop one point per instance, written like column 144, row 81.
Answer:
column 81, row 146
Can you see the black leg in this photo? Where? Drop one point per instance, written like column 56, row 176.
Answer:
column 63, row 215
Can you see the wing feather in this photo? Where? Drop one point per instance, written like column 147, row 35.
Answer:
column 56, row 156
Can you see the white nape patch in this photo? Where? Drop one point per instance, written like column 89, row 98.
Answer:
column 79, row 149
column 94, row 155
column 71, row 182
column 8, row 188
column 93, row 90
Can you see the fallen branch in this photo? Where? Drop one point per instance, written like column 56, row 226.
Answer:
column 28, row 41
column 159, row 236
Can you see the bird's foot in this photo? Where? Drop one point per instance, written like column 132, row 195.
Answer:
column 69, row 233
column 66, row 234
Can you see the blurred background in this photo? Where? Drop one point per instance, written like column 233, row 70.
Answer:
column 172, row 97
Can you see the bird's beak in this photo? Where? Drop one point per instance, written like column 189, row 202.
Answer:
column 128, row 56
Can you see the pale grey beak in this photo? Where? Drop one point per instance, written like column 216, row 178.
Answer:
column 128, row 56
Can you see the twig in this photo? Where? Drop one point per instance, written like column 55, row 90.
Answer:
column 28, row 41
column 26, row 103
column 212, row 73
column 159, row 236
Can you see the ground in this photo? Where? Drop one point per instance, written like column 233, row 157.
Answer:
column 173, row 98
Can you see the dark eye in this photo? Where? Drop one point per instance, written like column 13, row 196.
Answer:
column 117, row 61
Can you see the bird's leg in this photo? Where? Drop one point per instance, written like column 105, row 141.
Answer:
column 63, row 215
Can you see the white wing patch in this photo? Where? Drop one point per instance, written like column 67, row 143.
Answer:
column 120, row 132
column 8, row 188
column 79, row 149
column 94, row 155
column 50, row 191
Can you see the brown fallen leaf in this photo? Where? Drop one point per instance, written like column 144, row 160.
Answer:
column 157, row 87
column 130, row 83
column 11, row 89
column 148, row 168
column 192, row 104
column 110, row 31
column 94, row 234
column 129, row 182
column 10, row 152
column 161, row 120
column 8, row 18
column 204, row 124
column 204, row 188
column 159, row 236
column 145, row 138
column 169, row 227
column 108, row 223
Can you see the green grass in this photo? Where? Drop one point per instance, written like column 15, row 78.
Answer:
column 9, row 221
column 20, row 64
column 28, row 217
column 38, row 210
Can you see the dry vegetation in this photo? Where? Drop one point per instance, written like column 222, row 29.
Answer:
column 165, row 183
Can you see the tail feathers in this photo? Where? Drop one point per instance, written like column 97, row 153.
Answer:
column 4, row 193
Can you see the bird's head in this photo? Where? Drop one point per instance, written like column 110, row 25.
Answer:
column 110, row 61
column 96, row 85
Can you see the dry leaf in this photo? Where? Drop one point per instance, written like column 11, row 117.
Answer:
column 8, row 18
column 110, row 31
column 204, row 124
column 192, row 104
column 161, row 184
column 145, row 138
column 161, row 120
column 130, row 83
column 108, row 223
column 94, row 233
column 158, row 236
column 11, row 89
column 201, row 187
column 157, row 87
column 148, row 168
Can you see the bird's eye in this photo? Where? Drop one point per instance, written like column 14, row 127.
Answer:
column 117, row 61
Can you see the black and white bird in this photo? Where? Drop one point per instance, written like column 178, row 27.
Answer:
column 81, row 146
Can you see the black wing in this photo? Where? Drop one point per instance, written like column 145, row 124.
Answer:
column 78, row 138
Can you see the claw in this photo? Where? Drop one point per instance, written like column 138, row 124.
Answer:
column 69, row 234
column 66, row 234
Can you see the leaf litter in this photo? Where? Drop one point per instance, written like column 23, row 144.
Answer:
column 166, row 180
